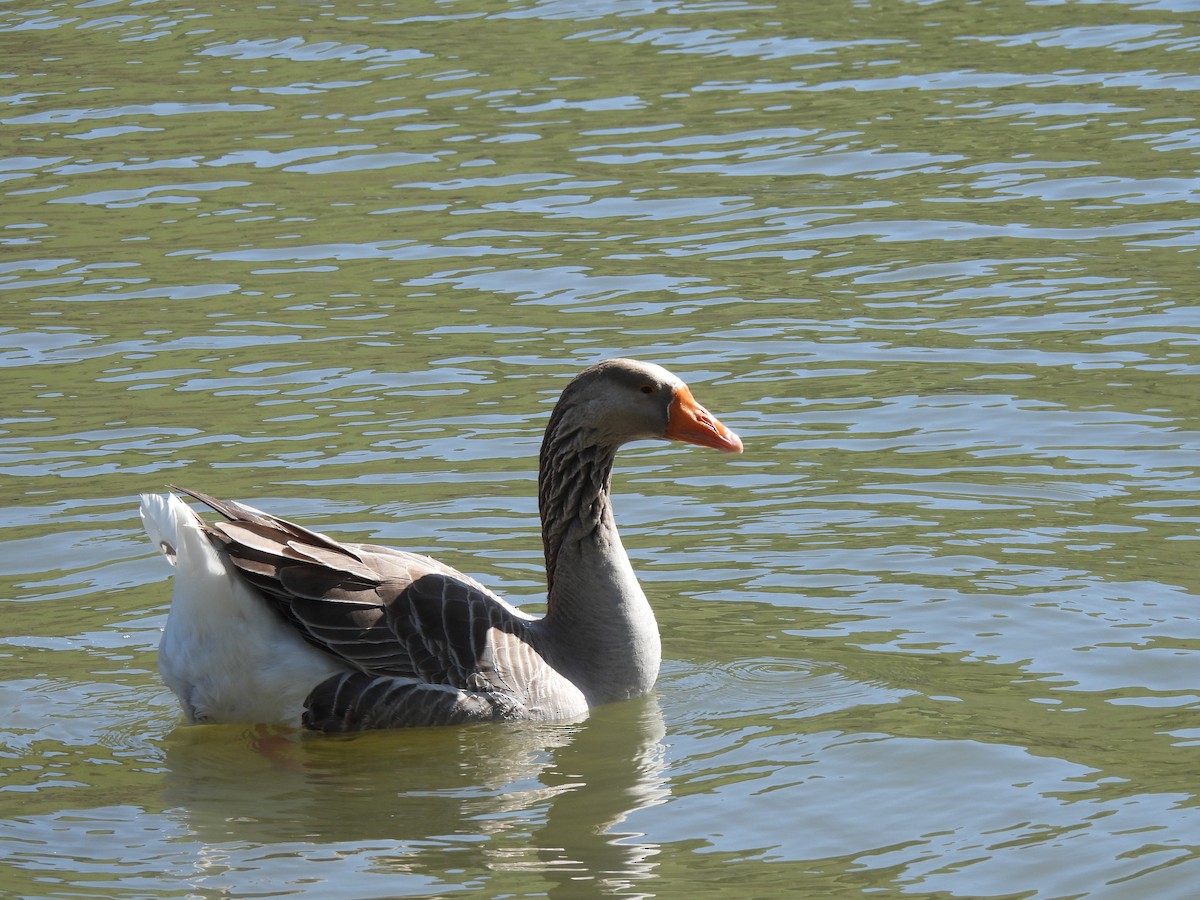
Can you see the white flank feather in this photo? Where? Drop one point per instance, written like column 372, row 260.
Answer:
column 223, row 651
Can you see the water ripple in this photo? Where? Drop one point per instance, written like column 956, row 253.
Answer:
column 934, row 264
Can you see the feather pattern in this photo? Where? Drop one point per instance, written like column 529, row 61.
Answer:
column 459, row 651
column 271, row 620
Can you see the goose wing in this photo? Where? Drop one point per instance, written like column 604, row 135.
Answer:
column 387, row 614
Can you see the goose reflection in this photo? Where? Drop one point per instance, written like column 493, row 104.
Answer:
column 449, row 805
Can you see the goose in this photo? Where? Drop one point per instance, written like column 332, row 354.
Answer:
column 272, row 622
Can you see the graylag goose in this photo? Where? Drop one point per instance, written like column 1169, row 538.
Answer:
column 271, row 622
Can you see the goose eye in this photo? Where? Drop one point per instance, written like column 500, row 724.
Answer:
column 647, row 389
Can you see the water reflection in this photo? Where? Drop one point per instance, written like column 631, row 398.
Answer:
column 536, row 798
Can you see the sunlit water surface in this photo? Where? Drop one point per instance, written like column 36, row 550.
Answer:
column 937, row 632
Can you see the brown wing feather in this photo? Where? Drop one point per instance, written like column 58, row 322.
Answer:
column 384, row 612
column 240, row 512
column 356, row 701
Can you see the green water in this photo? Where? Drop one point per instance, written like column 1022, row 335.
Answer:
column 935, row 633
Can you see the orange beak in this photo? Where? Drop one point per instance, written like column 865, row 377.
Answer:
column 690, row 422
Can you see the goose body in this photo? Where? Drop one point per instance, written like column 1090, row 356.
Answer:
column 272, row 622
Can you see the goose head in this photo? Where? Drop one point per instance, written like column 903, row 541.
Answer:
column 622, row 400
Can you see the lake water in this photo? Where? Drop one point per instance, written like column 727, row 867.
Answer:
column 936, row 633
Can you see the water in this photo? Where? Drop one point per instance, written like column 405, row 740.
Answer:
column 935, row 633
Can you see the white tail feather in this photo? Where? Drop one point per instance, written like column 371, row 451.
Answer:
column 227, row 656
column 160, row 516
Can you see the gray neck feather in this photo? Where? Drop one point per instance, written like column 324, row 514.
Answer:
column 600, row 630
column 573, row 490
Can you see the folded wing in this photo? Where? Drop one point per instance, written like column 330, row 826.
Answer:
column 423, row 643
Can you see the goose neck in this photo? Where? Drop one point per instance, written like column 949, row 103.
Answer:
column 573, row 494
column 598, row 630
